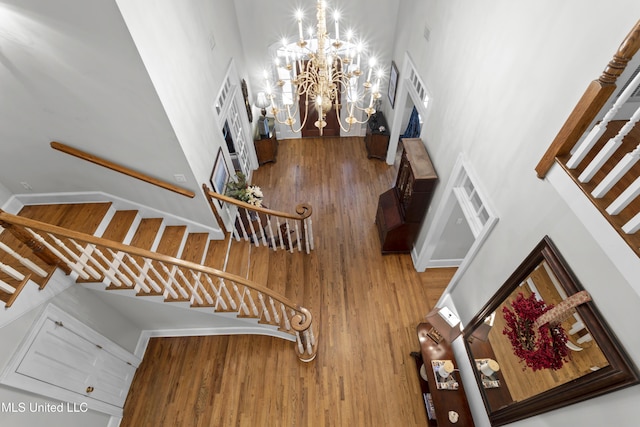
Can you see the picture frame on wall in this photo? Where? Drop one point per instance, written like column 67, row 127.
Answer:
column 247, row 104
column 393, row 83
column 219, row 175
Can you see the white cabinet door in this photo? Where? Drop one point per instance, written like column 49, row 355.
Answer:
column 61, row 357
column 64, row 359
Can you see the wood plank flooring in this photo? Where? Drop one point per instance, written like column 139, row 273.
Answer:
column 367, row 306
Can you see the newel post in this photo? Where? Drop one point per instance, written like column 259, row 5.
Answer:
column 593, row 100
column 306, row 339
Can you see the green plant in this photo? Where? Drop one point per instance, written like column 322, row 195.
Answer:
column 241, row 190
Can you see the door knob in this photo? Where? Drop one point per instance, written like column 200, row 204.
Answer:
column 89, row 389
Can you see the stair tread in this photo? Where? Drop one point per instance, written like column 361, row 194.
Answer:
column 238, row 259
column 146, row 233
column 194, row 247
column 171, row 240
column 82, row 217
column 119, row 225
column 216, row 253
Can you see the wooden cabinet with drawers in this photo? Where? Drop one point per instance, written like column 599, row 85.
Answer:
column 402, row 208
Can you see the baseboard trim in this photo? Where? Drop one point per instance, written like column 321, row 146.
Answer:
column 443, row 263
column 146, row 335
column 18, row 201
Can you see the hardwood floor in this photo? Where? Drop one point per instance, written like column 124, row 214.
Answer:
column 367, row 306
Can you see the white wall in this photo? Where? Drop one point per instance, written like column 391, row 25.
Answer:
column 187, row 47
column 504, row 76
column 4, row 194
column 73, row 75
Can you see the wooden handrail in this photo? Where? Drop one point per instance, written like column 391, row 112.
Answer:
column 119, row 168
column 181, row 280
column 132, row 250
column 303, row 210
column 594, row 98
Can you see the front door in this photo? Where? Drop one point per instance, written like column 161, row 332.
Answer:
column 310, row 130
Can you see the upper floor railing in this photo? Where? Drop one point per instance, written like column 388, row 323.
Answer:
column 126, row 267
column 265, row 226
column 604, row 161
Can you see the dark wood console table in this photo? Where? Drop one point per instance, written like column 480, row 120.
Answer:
column 438, row 402
column 376, row 140
column 266, row 145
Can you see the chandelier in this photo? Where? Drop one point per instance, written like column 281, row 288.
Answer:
column 322, row 73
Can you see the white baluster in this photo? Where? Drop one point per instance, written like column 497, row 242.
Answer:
column 216, row 291
column 625, row 198
column 245, row 236
column 288, row 231
column 88, row 252
column 307, row 339
column 587, row 143
column 11, row 272
column 279, row 227
column 262, row 235
column 299, row 342
column 199, row 285
column 633, row 225
column 271, row 234
column 59, row 254
column 265, row 311
column 310, row 234
column 254, row 309
column 609, row 149
column 623, row 166
column 254, row 236
column 171, row 279
column 138, row 277
column 24, row 261
column 194, row 294
column 113, row 273
column 287, row 323
column 243, row 305
column 7, row 288
column 223, row 286
column 85, row 267
column 164, row 289
column 276, row 314
column 312, row 338
column 298, row 236
column 118, row 258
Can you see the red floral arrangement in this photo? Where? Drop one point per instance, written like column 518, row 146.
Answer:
column 544, row 348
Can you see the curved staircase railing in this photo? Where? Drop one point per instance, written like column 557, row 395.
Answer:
column 148, row 273
column 268, row 227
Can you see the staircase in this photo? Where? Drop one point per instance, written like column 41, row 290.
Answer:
column 144, row 256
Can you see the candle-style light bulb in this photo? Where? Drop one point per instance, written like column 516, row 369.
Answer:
column 372, row 63
column 299, row 17
column 336, row 17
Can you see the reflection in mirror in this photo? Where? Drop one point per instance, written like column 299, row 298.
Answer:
column 527, row 362
column 581, row 354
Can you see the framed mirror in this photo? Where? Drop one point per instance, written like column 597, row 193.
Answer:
column 540, row 343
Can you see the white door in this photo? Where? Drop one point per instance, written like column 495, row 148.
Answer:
column 65, row 360
column 60, row 357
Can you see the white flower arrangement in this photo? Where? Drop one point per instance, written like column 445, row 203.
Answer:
column 243, row 191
